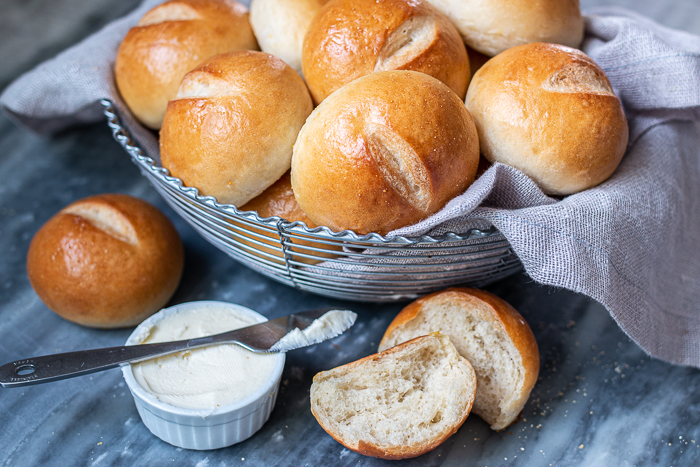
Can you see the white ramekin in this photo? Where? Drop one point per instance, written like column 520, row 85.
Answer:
column 204, row 429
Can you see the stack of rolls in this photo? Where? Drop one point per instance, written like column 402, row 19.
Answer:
column 392, row 139
column 413, row 98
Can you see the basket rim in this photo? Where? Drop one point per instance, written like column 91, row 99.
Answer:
column 122, row 136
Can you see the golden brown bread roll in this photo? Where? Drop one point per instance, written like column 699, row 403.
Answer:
column 492, row 26
column 353, row 38
column 169, row 41
column 106, row 261
column 280, row 26
column 278, row 200
column 489, row 333
column 384, row 151
column 230, row 129
column 549, row 111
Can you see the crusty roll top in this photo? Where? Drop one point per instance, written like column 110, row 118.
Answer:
column 492, row 26
column 353, row 38
column 231, row 128
column 549, row 111
column 384, row 151
column 169, row 41
column 106, row 261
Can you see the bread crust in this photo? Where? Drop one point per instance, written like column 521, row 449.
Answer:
column 502, row 316
column 492, row 26
column 169, row 41
column 230, row 130
column 391, row 453
column 549, row 111
column 279, row 201
column 106, row 274
column 383, row 152
column 353, row 38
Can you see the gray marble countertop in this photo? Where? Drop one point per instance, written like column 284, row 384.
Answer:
column 599, row 401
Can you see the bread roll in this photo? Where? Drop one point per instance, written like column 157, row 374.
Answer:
column 280, row 26
column 230, row 129
column 353, row 38
column 279, row 201
column 396, row 404
column 169, row 41
column 492, row 26
column 107, row 261
column 489, row 333
column 549, row 111
column 383, row 152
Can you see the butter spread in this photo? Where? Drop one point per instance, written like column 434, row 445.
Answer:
column 207, row 377
column 331, row 324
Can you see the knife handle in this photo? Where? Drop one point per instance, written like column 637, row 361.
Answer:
column 55, row 367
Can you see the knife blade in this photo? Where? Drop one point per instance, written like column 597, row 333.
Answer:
column 276, row 335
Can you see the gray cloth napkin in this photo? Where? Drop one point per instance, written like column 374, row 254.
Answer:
column 630, row 243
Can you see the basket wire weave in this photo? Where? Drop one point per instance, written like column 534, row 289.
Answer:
column 343, row 265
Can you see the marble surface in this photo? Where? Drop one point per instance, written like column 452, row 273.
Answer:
column 599, row 401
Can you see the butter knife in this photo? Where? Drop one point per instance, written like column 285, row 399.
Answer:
column 276, row 335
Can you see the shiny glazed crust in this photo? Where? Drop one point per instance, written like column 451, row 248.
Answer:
column 492, row 26
column 353, row 38
column 169, row 41
column 230, row 130
column 383, row 152
column 549, row 111
column 106, row 261
column 501, row 315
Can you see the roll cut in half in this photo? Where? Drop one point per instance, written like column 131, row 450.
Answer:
column 169, row 41
column 492, row 26
column 107, row 261
column 396, row 404
column 383, row 152
column 489, row 333
column 549, row 111
column 280, row 26
column 230, row 129
column 353, row 38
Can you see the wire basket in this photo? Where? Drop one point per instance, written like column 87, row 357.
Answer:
column 369, row 268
